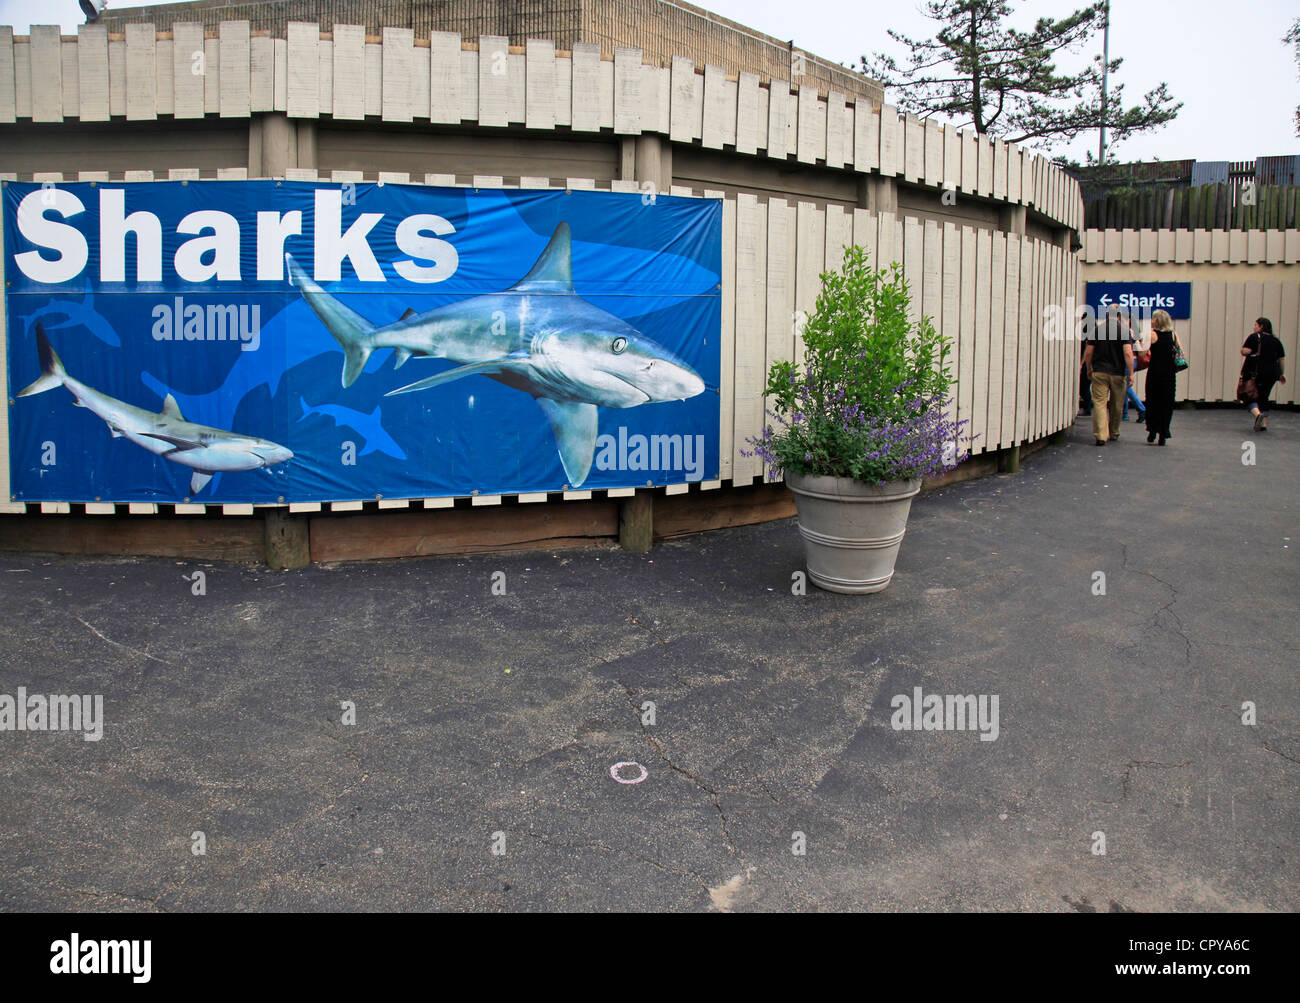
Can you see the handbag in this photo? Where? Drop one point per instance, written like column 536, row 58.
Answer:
column 1180, row 359
column 1247, row 392
column 1141, row 360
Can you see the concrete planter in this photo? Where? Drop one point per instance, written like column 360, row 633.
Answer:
column 851, row 531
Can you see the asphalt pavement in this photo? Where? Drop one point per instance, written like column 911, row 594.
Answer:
column 477, row 774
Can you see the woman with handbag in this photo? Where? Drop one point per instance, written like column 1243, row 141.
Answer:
column 1264, row 354
column 1166, row 362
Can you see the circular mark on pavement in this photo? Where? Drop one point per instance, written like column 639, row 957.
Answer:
column 613, row 772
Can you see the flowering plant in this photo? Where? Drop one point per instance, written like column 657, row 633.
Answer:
column 871, row 402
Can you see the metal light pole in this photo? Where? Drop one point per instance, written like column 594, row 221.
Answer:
column 1105, row 79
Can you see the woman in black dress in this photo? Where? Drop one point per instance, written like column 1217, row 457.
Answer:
column 1264, row 354
column 1160, row 377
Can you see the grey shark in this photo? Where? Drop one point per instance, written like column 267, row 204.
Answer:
column 166, row 433
column 538, row 336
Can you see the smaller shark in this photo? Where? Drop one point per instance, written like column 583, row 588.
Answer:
column 368, row 426
column 81, row 314
column 208, row 450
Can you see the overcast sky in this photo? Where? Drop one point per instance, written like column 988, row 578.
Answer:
column 1224, row 60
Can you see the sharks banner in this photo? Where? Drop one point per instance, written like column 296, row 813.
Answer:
column 265, row 341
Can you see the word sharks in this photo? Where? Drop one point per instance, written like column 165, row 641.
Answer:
column 538, row 336
column 369, row 426
column 208, row 450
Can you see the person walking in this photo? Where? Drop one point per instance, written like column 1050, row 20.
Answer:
column 1141, row 359
column 1108, row 360
column 1264, row 354
column 1160, row 377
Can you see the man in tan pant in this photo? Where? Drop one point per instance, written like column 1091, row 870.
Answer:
column 1108, row 360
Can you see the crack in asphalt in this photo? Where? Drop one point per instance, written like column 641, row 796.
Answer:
column 1168, row 607
column 694, row 778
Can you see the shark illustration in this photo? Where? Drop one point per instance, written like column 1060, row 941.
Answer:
column 368, row 426
column 568, row 354
column 166, row 433
column 76, row 314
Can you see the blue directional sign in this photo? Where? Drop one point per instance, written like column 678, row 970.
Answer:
column 1142, row 298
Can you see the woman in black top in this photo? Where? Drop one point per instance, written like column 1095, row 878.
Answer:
column 1264, row 354
column 1160, row 377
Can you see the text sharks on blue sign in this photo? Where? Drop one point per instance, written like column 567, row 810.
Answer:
column 1142, row 298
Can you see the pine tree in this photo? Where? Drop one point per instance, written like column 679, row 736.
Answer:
column 1292, row 37
column 980, row 71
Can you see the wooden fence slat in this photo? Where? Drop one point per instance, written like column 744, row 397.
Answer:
column 235, row 69
column 92, row 74
column 1275, row 249
column 1010, row 341
column 586, row 87
column 747, row 114
column 349, row 73
column 1214, row 300
column 997, row 324
column 782, row 247
column 839, row 234
column 681, row 101
column 395, row 79
column 750, row 326
column 493, row 80
column 726, row 381
column 966, row 347
column 188, row 69
column 715, row 107
column 999, row 169
column 141, row 73
column 539, row 95
column 444, row 77
column 913, row 148
column 808, row 263
column 865, row 229
column 778, row 118
column 866, row 136
column 46, row 50
column 71, row 84
column 627, row 91
column 23, row 78
column 932, row 275
column 469, row 85
column 984, row 182
column 933, row 153
column 950, row 310
column 325, row 75
column 280, row 74
column 372, row 69
column 8, row 102
column 891, row 142
column 1236, row 246
column 1027, row 327
column 1194, row 385
column 1288, row 331
column 303, row 67
column 969, row 162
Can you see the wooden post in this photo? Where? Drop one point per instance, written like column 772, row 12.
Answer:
column 287, row 542
column 636, row 522
column 1009, row 460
